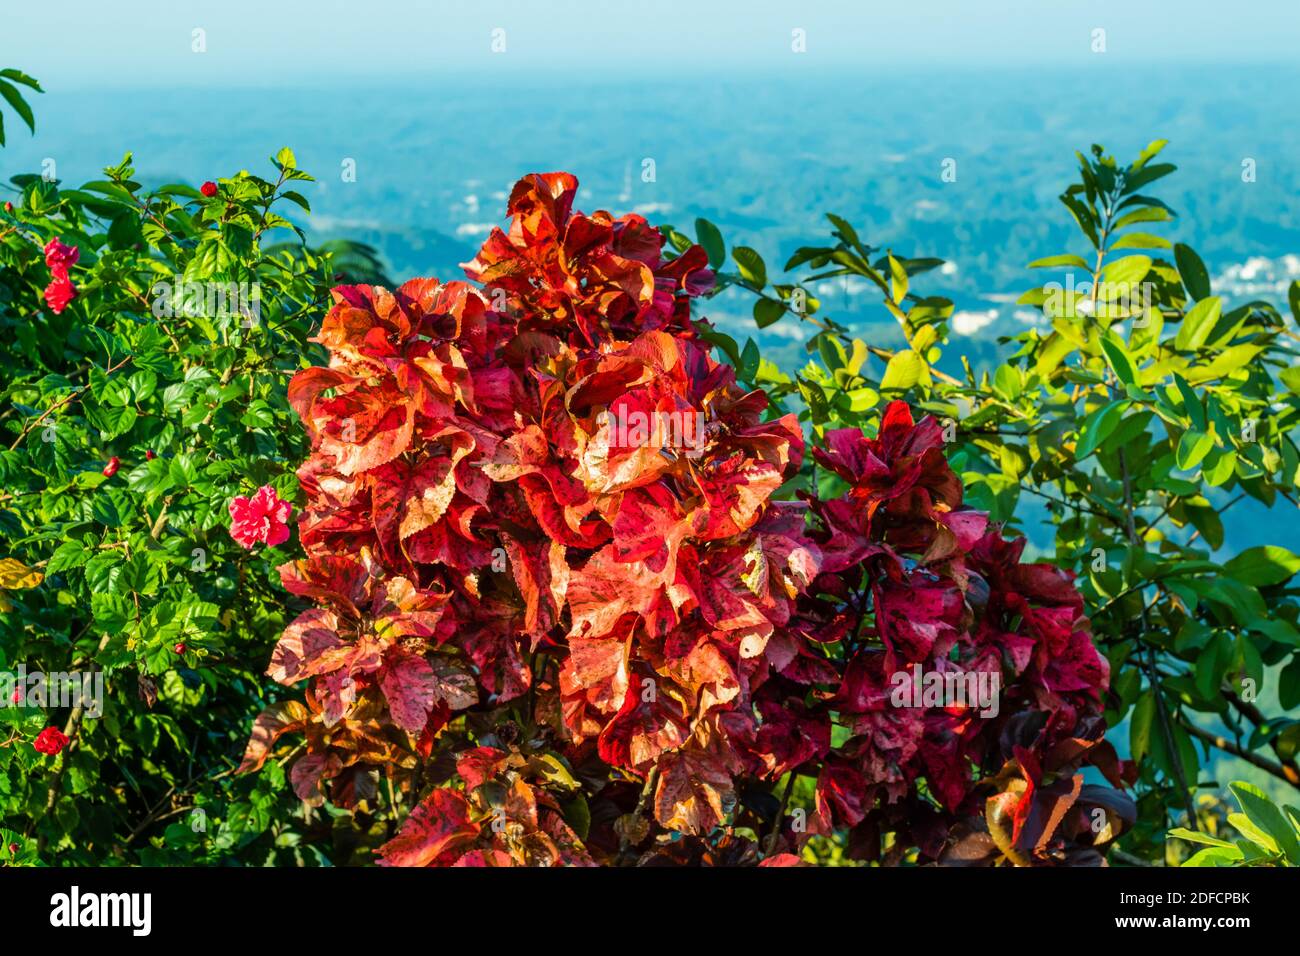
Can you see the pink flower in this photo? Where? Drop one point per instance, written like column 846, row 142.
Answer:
column 263, row 517
column 59, row 293
column 60, row 257
column 50, row 741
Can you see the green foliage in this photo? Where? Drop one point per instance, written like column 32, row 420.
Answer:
column 1138, row 410
column 173, row 358
column 11, row 81
column 1270, row 835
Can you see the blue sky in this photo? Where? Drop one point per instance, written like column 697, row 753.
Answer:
column 82, row 43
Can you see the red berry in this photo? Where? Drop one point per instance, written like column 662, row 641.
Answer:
column 111, row 468
column 17, row 696
column 180, row 648
column 9, row 207
column 208, row 189
column 149, row 455
column 13, row 848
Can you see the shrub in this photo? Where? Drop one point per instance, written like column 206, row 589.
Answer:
column 141, row 397
column 1136, row 411
column 560, row 610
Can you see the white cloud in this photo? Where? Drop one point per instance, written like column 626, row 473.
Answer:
column 970, row 321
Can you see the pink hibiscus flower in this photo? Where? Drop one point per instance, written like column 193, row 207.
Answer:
column 60, row 257
column 263, row 517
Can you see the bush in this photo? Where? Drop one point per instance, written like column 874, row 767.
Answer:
column 1138, row 411
column 555, row 586
column 147, row 338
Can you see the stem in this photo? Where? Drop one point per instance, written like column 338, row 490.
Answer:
column 1263, row 763
column 1166, row 728
column 775, row 833
column 65, row 400
column 1290, row 772
column 71, row 730
column 651, row 782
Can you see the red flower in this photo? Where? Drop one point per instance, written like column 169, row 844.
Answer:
column 59, row 293
column 60, row 257
column 149, row 455
column 9, row 207
column 208, row 189
column 263, row 517
column 50, row 741
column 111, row 468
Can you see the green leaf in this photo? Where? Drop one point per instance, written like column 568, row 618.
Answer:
column 751, row 266
column 1146, row 175
column 1265, row 814
column 1196, row 280
column 1193, row 447
column 1061, row 261
column 904, row 370
column 767, row 312
column 18, row 76
column 15, row 99
column 1007, row 382
column 1215, row 856
column 1219, row 466
column 1140, row 726
column 832, row 352
column 1263, row 565
column 1098, row 426
column 1128, row 271
column 1195, row 836
column 1083, row 217
column 1144, row 214
column 1191, row 402
column 297, row 199
column 897, row 280
column 1121, row 362
column 1140, row 240
column 1198, row 323
column 578, row 815
column 70, row 554
column 749, row 358
column 710, row 238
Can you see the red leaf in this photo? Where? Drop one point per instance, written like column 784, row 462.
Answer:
column 438, row 825
column 409, row 684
